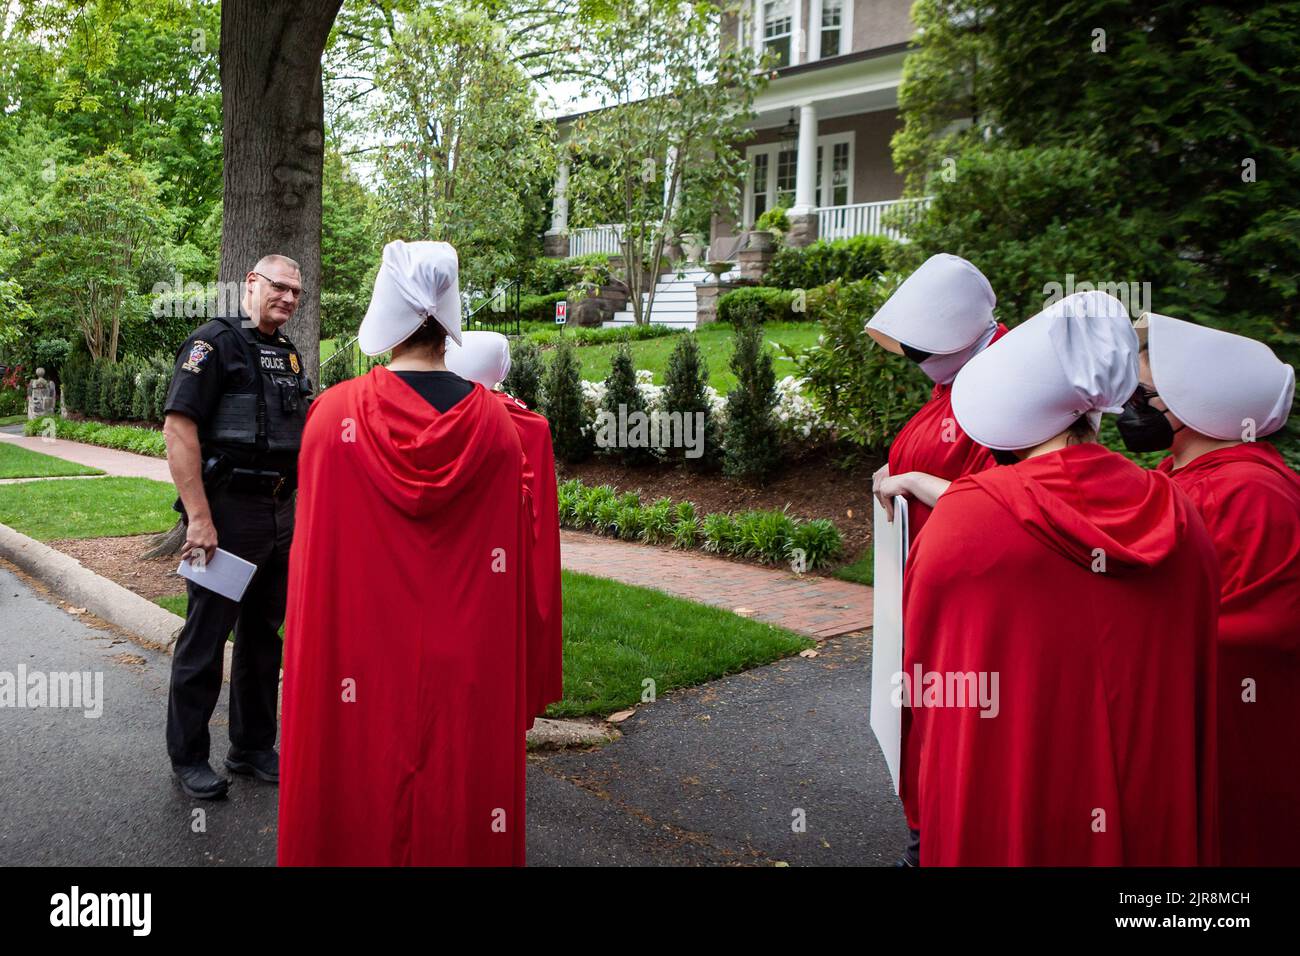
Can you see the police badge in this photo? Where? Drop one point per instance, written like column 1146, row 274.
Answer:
column 293, row 363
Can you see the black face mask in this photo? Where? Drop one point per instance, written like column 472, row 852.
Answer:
column 1004, row 457
column 916, row 355
column 1143, row 427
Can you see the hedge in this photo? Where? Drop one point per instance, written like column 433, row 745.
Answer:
column 771, row 536
column 133, row 389
column 861, row 257
column 752, row 305
column 142, row 441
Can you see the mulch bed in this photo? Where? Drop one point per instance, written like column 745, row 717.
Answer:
column 813, row 487
column 118, row 559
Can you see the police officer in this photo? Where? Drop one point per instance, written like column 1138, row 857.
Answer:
column 234, row 419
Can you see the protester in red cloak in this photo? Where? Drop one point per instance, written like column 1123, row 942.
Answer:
column 484, row 357
column 940, row 317
column 1049, row 581
column 405, row 698
column 1200, row 386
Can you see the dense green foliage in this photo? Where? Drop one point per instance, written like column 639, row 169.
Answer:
column 820, row 262
column 751, row 449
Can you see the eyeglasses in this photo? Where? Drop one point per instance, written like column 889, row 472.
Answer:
column 279, row 288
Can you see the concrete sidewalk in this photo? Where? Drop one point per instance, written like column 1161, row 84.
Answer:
column 124, row 464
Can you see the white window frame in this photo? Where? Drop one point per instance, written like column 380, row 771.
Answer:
column 815, row 29
column 773, row 150
column 760, row 27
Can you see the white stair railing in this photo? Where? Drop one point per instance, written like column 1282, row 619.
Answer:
column 592, row 239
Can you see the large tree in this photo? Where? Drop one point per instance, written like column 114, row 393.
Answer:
column 273, row 145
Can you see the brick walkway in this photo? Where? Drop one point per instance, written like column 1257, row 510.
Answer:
column 109, row 460
column 816, row 606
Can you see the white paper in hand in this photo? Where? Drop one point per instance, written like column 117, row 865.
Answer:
column 226, row 574
column 890, row 542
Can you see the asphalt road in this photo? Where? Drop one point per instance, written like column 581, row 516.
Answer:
column 775, row 765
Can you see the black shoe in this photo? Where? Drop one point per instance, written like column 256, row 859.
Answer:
column 262, row 764
column 199, row 780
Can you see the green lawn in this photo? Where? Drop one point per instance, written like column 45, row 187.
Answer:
column 50, row 510
column 716, row 342
column 13, row 420
column 861, row 571
column 616, row 636
column 18, row 462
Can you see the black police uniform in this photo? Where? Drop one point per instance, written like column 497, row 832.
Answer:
column 248, row 393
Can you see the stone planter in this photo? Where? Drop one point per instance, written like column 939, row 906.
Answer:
column 760, row 240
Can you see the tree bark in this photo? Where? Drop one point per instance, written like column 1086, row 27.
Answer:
column 273, row 123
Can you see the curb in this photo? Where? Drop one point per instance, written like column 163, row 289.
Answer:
column 77, row 584
column 158, row 628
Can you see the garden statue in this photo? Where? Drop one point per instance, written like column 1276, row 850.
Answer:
column 41, row 396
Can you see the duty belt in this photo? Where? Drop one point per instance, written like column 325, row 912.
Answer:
column 252, row 481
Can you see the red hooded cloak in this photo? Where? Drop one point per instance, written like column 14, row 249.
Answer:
column 1250, row 501
column 405, row 697
column 932, row 442
column 545, row 621
column 1089, row 587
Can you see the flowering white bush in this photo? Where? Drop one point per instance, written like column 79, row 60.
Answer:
column 796, row 415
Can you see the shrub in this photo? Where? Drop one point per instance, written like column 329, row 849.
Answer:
column 767, row 534
column 864, row 393
column 587, row 502
column 773, row 220
column 752, row 447
column 658, row 522
column 142, row 441
column 719, row 532
column 540, row 308
column 630, row 521
column 621, row 392
column 595, row 336
column 819, row 541
column 685, row 382
column 687, row 532
column 525, row 379
column 563, row 407
column 861, row 257
column 753, row 305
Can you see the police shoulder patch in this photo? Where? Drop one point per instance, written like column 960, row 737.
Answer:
column 199, row 352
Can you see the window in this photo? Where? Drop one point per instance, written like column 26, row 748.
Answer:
column 774, row 172
column 759, row 187
column 776, row 30
column 839, row 172
column 786, row 162
column 832, row 25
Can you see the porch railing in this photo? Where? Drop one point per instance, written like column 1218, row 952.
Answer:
column 591, row 239
column 868, row 218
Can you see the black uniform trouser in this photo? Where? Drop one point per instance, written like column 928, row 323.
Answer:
column 257, row 528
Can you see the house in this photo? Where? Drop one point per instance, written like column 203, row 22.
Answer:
column 822, row 129
column 820, row 147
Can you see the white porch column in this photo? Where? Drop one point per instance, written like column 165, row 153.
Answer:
column 560, row 203
column 798, row 45
column 805, row 183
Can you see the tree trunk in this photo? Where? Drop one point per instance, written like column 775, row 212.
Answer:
column 273, row 125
